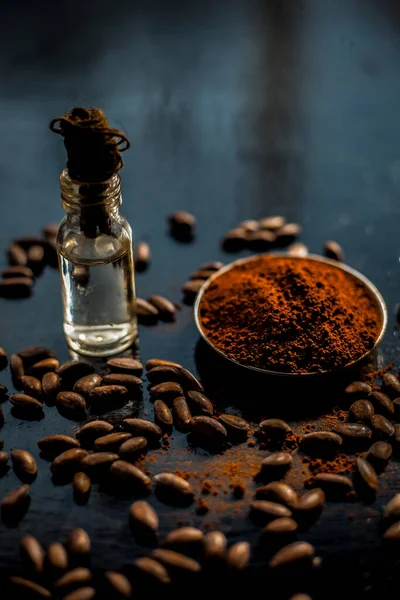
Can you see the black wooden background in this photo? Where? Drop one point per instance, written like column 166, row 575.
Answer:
column 235, row 109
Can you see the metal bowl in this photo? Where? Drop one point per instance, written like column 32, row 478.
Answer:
column 380, row 304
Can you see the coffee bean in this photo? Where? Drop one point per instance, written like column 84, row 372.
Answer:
column 16, row 287
column 3, row 392
column 71, row 405
column 25, row 466
column 50, row 386
column 263, row 511
column 27, row 241
column 167, row 391
column 379, row 455
column 164, row 306
column 199, row 403
column 190, row 290
column 212, row 265
column 98, row 462
column 17, row 255
column 301, row 597
column 173, row 488
column 202, row 274
column 396, row 406
column 296, row 554
column 208, row 427
column 50, row 230
column 15, row 500
column 52, row 445
column 390, row 385
column 142, row 256
column 16, row 367
column 179, row 374
column 118, row 585
column 3, row 460
column 181, row 414
column 311, row 503
column 31, row 386
column 176, row 561
column 365, row 479
column 130, row 366
column 382, row 403
column 288, row 233
column 361, row 411
column 85, row 593
column 151, row 570
column 184, row 538
column 146, row 313
column 391, row 512
column 44, row 366
column 333, row 250
column 235, row 239
column 275, row 428
column 333, row 485
column 132, row 448
column 321, row 443
column 279, row 492
column 273, row 223
column 57, row 558
column 78, row 545
column 238, row 556
column 162, row 415
column 32, row 554
column 24, row 588
column 74, row 370
column 34, row 354
column 128, row 476
column 298, row 249
column 86, row 384
column 160, row 362
column 143, row 428
column 353, row 432
column 36, row 258
column 392, row 535
column 111, row 442
column 81, row 485
column 250, row 225
column 93, row 430
column 3, row 360
column 214, row 546
column 381, row 426
column 68, row 460
column 235, row 426
column 357, row 390
column 108, row 393
column 73, row 580
column 16, row 271
column 276, row 465
column 26, row 403
column 282, row 530
column 260, row 241
column 131, row 382
column 143, row 519
column 182, row 225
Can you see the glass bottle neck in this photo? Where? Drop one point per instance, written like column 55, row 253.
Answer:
column 78, row 197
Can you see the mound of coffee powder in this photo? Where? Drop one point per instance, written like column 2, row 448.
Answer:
column 290, row 315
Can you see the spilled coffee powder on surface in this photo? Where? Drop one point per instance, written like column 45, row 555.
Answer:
column 290, row 315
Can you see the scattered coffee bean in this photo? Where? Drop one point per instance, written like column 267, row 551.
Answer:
column 181, row 414
column 395, row 438
column 208, row 427
column 250, row 225
column 128, row 476
column 151, row 570
column 361, row 411
column 166, row 309
column 190, row 290
column 31, row 386
column 57, row 558
column 273, row 223
column 396, row 406
column 142, row 256
column 52, row 445
column 74, row 370
column 357, row 390
column 321, row 443
column 143, row 428
column 16, row 287
column 69, row 460
column 26, row 241
column 3, row 460
column 36, row 258
column 16, row 271
column 259, row 241
column 15, row 500
column 26, row 404
column 390, row 385
column 16, row 367
column 85, row 593
column 277, row 491
column 24, row 588
column 118, row 585
column 162, row 415
column 333, row 250
column 238, row 556
column 50, row 230
column 353, row 432
column 365, row 479
column 166, row 373
column 184, row 538
column 301, row 597
column 312, row 502
column 282, row 530
column 81, row 485
column 3, row 360
column 199, row 403
column 264, row 511
column 296, row 554
column 107, row 393
column 298, row 249
column 25, row 466
column 17, row 255
column 146, row 313
column 111, row 442
column 182, row 225
column 35, row 354
column 235, row 239
column 131, row 382
column 132, row 448
column 235, row 426
column 167, row 391
column 86, row 384
column 3, row 392
column 275, row 428
column 276, row 465
column 214, row 546
column 78, row 545
column 72, row 580
column 213, row 265
column 381, row 426
column 379, row 455
column 288, row 233
column 32, row 554
column 176, row 561
column 143, row 519
column 392, row 535
column 160, row 362
column 382, row 403
column 71, row 405
column 93, row 430
column 391, row 512
column 51, row 386
column 202, row 274
column 173, row 488
column 131, row 366
column 333, row 485
column 44, row 366
column 98, row 462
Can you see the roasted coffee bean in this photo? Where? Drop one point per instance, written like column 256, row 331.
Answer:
column 381, row 426
column 162, row 415
column 264, row 511
column 146, row 313
column 86, row 384
column 202, row 274
column 235, row 426
column 15, row 500
column 282, row 530
column 250, row 225
column 390, row 385
column 31, row 386
column 26, row 403
column 208, row 427
column 16, row 367
column 392, row 535
column 143, row 519
column 32, row 554
column 235, row 239
column 178, row 374
column 185, row 539
column 357, row 390
column 35, row 354
column 25, row 588
column 288, row 233
column 333, row 485
column 276, row 465
column 93, row 430
column 214, row 546
column 26, row 241
column 181, row 414
column 17, row 255
column 310, row 503
column 143, row 428
column 131, row 366
column 81, row 485
column 379, row 455
column 57, row 558
column 365, row 479
column 132, row 448
column 391, row 512
column 273, row 223
column 279, row 492
column 98, row 462
column 118, row 585
column 73, row 579
column 74, row 370
column 142, row 256
column 131, row 382
column 3, row 362
column 190, row 290
column 111, row 442
column 16, row 271
column 296, row 554
column 260, row 240
column 44, row 366
column 1, row 444
column 108, row 393
column 68, row 460
column 36, row 258
column 164, row 306
column 382, row 403
column 199, row 403
column 275, row 428
column 173, row 488
column 16, row 287
column 85, row 593
column 176, row 561
column 321, row 443
column 78, row 544
column 3, row 392
column 396, row 406
column 50, row 230
column 212, row 265
column 182, row 224
column 71, row 405
column 51, row 386
column 25, row 466
column 3, row 460
column 167, row 391
column 333, row 250
column 152, row 570
column 361, row 411
column 52, row 445
column 128, row 476
column 301, row 597
column 353, row 432
column 160, row 362
column 238, row 556
column 298, row 249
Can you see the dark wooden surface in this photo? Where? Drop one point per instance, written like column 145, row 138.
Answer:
column 235, row 109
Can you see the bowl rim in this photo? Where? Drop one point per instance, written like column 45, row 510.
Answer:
column 312, row 257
